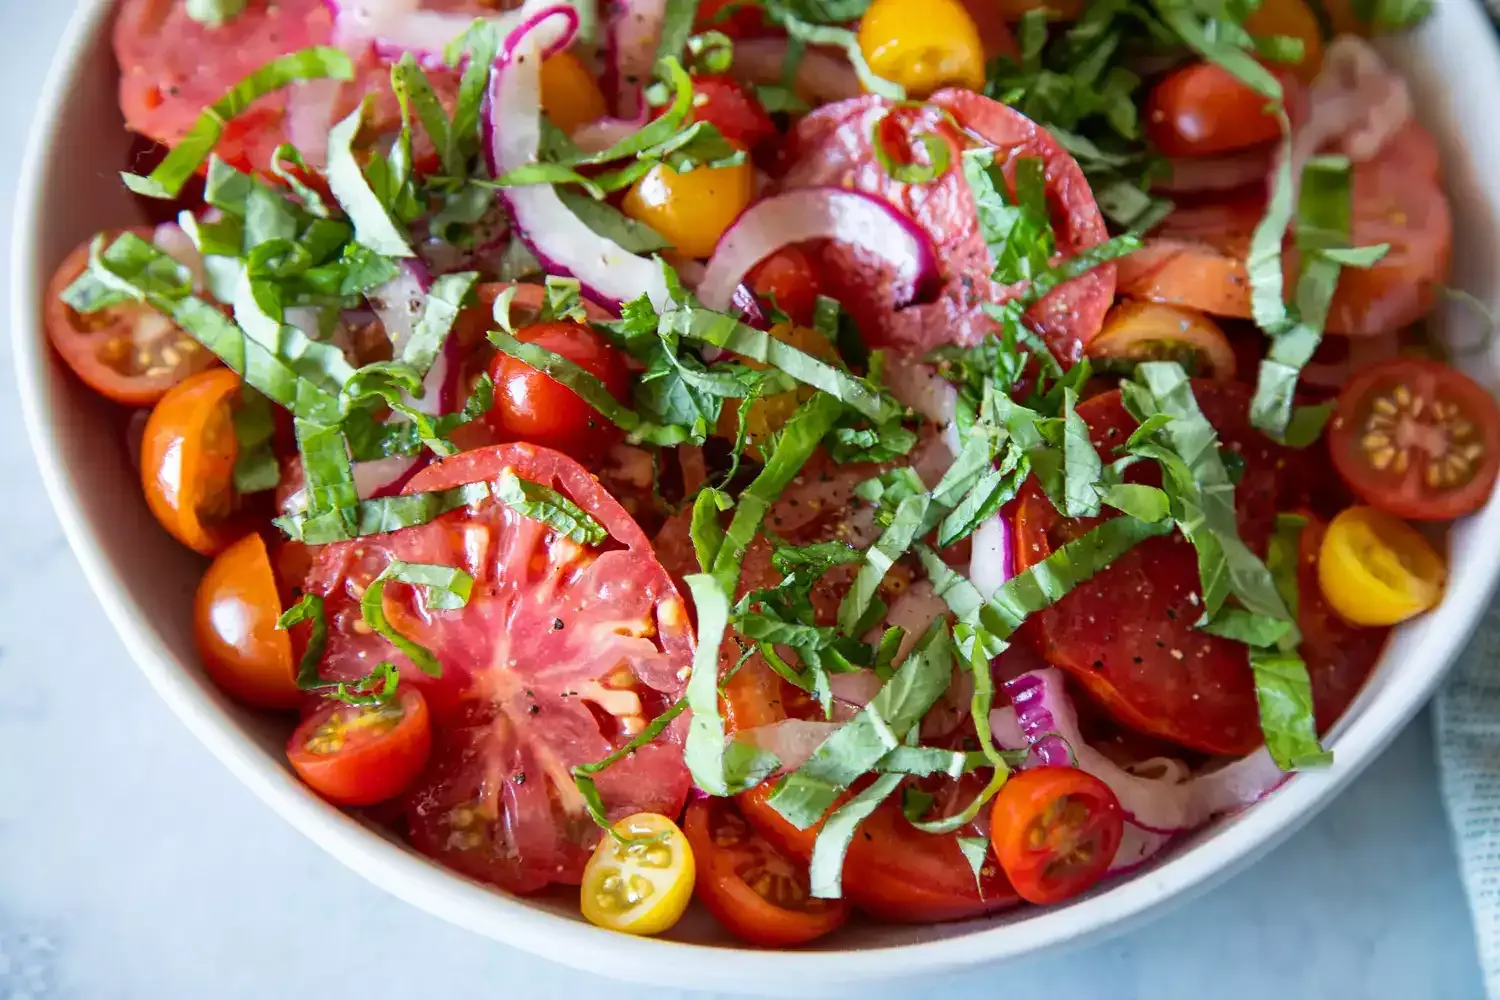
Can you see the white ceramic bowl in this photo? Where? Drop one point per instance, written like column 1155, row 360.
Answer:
column 145, row 580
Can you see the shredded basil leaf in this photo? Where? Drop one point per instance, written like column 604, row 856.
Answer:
column 826, row 869
column 315, row 63
column 479, row 44
column 676, row 26
column 373, row 225
column 583, row 773
column 938, row 156
column 439, row 311
column 1283, row 690
column 880, row 557
column 541, row 503
column 413, row 89
column 309, row 608
column 255, row 466
column 377, row 517
column 446, row 588
column 706, row 532
column 376, row 689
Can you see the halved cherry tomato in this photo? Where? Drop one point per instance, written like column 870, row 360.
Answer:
column 129, row 353
column 735, row 18
column 234, row 627
column 358, row 755
column 787, row 278
column 570, row 95
column 1417, row 438
column 1204, row 109
column 1055, row 831
column 530, row 406
column 187, row 461
column 759, row 894
column 729, row 106
column 924, row 45
column 1147, row 331
column 691, row 210
column 1374, row 569
column 1291, row 19
column 643, row 883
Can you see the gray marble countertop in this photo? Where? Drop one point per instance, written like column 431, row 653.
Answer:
column 133, row 865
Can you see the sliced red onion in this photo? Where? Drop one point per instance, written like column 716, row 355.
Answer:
column 993, row 560
column 632, row 35
column 602, row 133
column 172, row 240
column 821, row 213
column 791, row 740
column 1218, row 173
column 1161, row 804
column 1138, row 846
column 821, row 78
column 398, row 304
column 920, row 387
column 562, row 244
column 395, row 27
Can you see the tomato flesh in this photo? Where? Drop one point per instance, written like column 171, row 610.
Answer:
column 758, row 893
column 531, row 406
column 1417, row 438
column 787, row 280
column 730, row 107
column 1055, row 831
column 358, row 755
column 562, row 654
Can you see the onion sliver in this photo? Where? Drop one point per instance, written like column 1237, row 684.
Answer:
column 1159, row 805
column 820, row 213
column 993, row 560
column 791, row 740
column 562, row 244
column 395, row 27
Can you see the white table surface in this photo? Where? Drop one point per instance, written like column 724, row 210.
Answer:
column 132, row 865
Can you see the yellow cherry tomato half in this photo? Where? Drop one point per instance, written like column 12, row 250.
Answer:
column 1149, row 331
column 1375, row 569
column 924, row 45
column 641, row 880
column 691, row 210
column 570, row 95
column 770, row 413
column 1291, row 19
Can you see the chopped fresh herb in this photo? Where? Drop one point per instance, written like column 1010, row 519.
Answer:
column 309, row 608
column 377, row 517
column 255, row 466
column 912, row 171
column 544, row 504
column 378, row 687
column 826, row 868
column 373, row 224
column 583, row 774
column 1283, row 689
column 706, row 531
column 446, row 588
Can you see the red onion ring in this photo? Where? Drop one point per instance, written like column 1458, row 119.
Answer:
column 791, row 740
column 632, row 35
column 817, row 213
column 561, row 243
column 993, row 559
column 395, row 27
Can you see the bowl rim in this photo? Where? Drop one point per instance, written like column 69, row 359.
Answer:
column 569, row 941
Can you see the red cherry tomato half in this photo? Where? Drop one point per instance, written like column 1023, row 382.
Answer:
column 129, row 353
column 532, row 407
column 787, row 277
column 755, row 891
column 729, row 106
column 1202, row 110
column 358, row 755
column 1055, row 831
column 187, row 462
column 234, row 628
column 1417, row 438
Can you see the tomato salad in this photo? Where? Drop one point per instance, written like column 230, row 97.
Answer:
column 911, row 457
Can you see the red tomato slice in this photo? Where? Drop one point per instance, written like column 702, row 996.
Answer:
column 732, row 108
column 172, row 67
column 750, row 887
column 358, row 755
column 1417, row 438
column 832, row 146
column 1203, row 110
column 1196, row 258
column 562, row 653
column 1055, row 831
column 1141, row 658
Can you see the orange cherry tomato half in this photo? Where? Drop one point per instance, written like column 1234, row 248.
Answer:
column 234, row 627
column 1417, row 438
column 1149, row 331
column 187, row 461
column 532, row 407
column 1055, row 831
column 358, row 755
column 754, row 890
column 129, row 353
column 1202, row 110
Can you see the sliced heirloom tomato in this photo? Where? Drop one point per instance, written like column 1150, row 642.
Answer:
column 187, row 462
column 1141, row 658
column 234, row 627
column 1055, row 831
column 758, row 893
column 1417, row 438
column 833, row 146
column 561, row 655
column 1196, row 257
column 129, row 353
column 359, row 755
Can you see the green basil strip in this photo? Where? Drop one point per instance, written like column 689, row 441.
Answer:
column 853, row 749
column 412, row 87
column 612, row 224
column 1066, row 464
column 583, row 773
column 309, row 608
column 330, row 486
column 717, row 768
column 1283, row 690
column 730, row 334
column 879, row 558
column 283, row 160
column 659, row 130
column 1019, row 238
column 1182, row 18
column 938, row 157
column 676, row 26
column 377, row 688
column 798, row 440
column 439, row 311
column 479, row 44
column 826, row 869
column 1145, row 502
column 378, row 517
column 315, row 63
column 975, row 850
column 541, row 503
column 373, row 225
column 706, row 532
column 255, row 466
column 447, row 588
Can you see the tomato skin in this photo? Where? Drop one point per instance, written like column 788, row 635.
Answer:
column 666, row 863
column 923, row 45
column 1149, row 330
column 1203, row 110
column 787, row 276
column 691, row 210
column 1432, row 455
column 234, row 627
column 187, row 461
column 104, row 348
column 531, row 406
column 570, row 95
column 1374, row 569
column 1043, row 812
column 729, row 106
column 731, row 858
column 735, row 18
column 366, row 766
